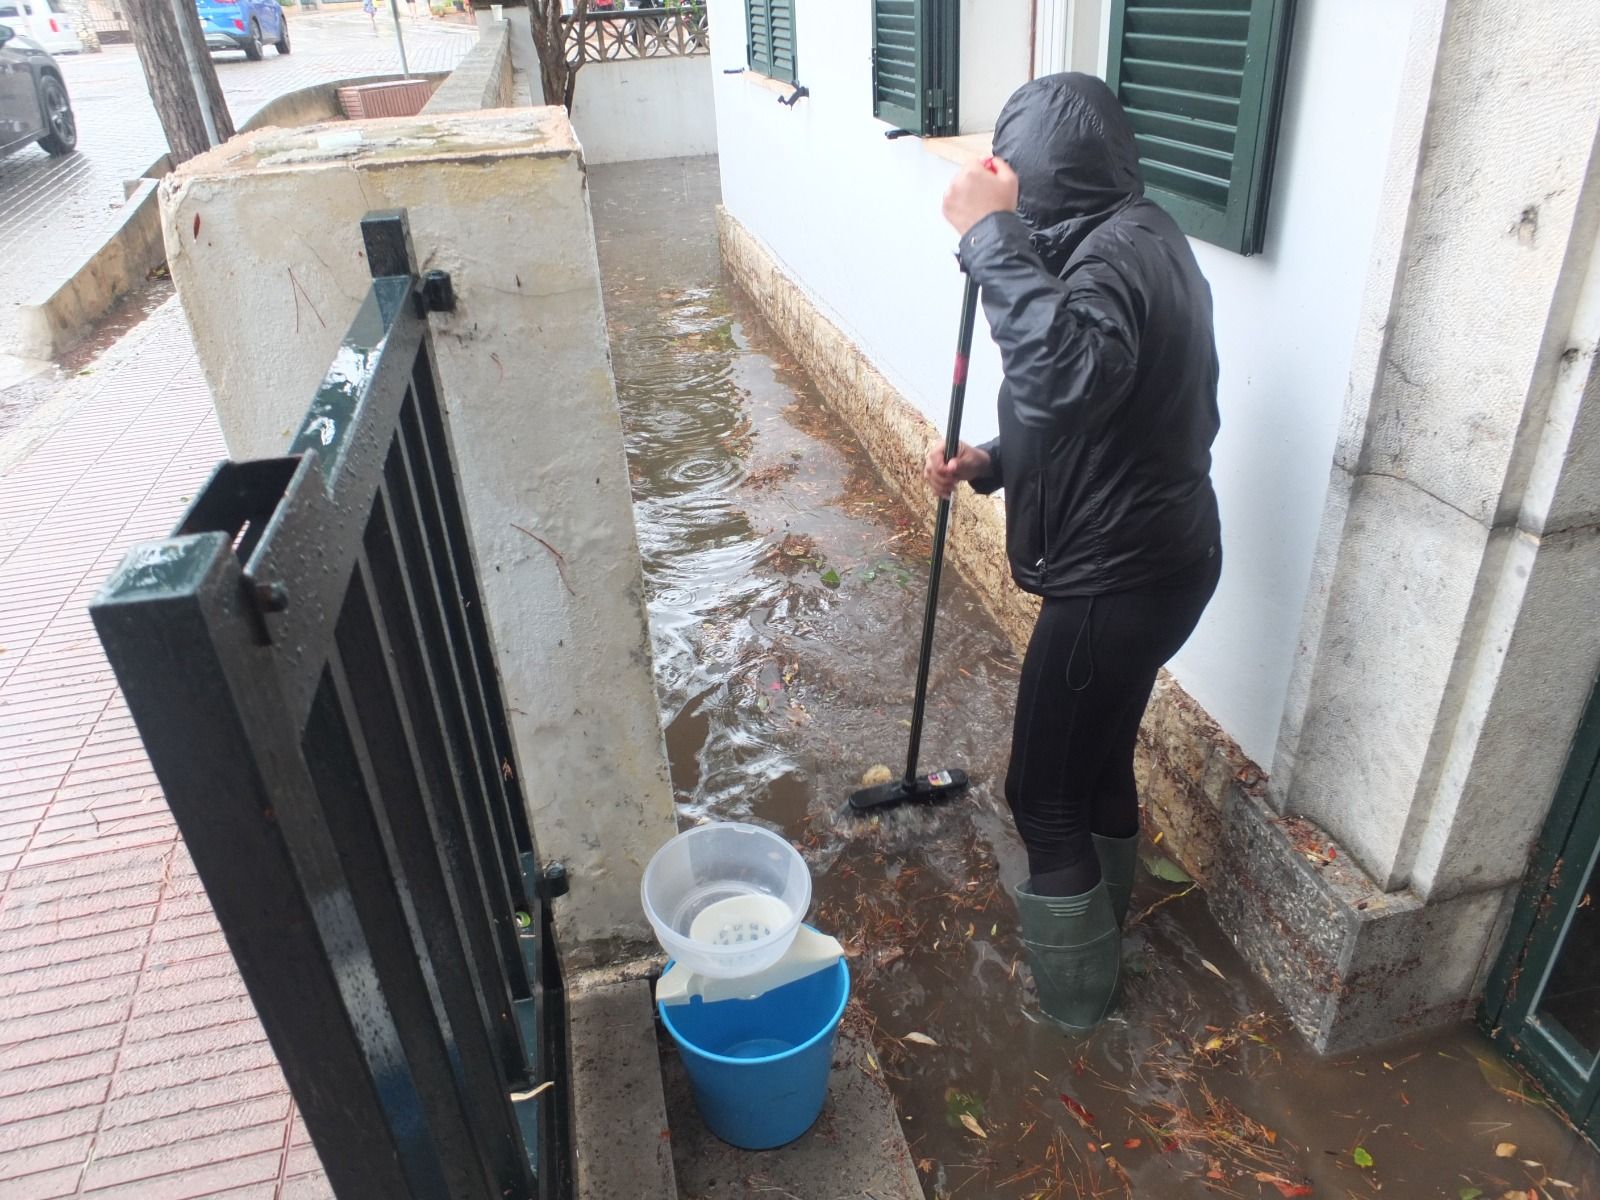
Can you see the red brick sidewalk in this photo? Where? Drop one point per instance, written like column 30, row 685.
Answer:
column 131, row 1060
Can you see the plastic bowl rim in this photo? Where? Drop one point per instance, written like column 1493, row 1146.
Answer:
column 663, row 930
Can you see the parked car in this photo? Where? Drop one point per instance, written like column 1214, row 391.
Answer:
column 243, row 25
column 34, row 106
column 45, row 21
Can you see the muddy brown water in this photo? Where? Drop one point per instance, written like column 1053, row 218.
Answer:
column 785, row 589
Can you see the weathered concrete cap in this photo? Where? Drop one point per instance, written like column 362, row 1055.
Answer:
column 458, row 137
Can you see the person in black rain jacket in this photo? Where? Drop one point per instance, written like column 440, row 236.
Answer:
column 1107, row 414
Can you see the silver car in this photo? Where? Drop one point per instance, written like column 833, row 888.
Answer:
column 34, row 106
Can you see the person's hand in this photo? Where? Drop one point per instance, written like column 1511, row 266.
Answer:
column 942, row 476
column 981, row 188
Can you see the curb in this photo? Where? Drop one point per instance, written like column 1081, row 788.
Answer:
column 61, row 315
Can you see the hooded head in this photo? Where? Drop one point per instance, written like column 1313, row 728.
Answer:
column 1072, row 148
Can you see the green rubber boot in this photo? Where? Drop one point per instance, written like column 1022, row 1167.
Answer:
column 1075, row 949
column 1119, row 858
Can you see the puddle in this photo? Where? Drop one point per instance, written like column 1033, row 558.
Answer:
column 785, row 591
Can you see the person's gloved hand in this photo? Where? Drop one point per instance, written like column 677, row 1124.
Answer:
column 979, row 189
column 942, row 475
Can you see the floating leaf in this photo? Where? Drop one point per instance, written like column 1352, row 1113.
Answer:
column 1215, row 1042
column 1497, row 1074
column 1505, row 1150
column 1083, row 1115
column 958, row 1105
column 1560, row 1183
column 1284, row 1187
column 1360, row 1157
column 1470, row 1193
column 1212, row 967
column 971, row 1122
column 1133, row 1143
column 1163, row 867
column 830, row 578
column 920, row 1039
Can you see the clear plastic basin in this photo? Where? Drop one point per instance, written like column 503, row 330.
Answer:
column 726, row 899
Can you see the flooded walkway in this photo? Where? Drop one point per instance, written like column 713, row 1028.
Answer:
column 785, row 593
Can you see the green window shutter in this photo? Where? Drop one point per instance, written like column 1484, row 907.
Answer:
column 771, row 28
column 1203, row 81
column 916, row 65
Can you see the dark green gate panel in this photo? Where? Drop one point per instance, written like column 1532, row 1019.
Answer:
column 307, row 661
column 1542, row 1003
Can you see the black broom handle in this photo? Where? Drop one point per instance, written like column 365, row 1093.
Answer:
column 941, row 523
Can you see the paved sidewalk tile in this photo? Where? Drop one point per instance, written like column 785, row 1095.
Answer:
column 131, row 1060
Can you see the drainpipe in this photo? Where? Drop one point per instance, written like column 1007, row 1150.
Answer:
column 180, row 11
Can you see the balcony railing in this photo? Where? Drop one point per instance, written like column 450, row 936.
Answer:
column 615, row 35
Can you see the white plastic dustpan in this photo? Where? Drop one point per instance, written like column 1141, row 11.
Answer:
column 811, row 952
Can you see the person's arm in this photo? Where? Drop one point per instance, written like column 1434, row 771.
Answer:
column 1070, row 348
column 995, row 478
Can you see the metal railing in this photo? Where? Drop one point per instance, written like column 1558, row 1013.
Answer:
column 614, row 35
column 308, row 664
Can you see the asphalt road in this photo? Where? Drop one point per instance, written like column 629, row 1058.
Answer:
column 52, row 211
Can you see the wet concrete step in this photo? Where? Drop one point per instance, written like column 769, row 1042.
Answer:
column 619, row 1116
column 855, row 1149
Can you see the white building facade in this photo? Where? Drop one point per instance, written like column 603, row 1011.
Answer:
column 1398, row 661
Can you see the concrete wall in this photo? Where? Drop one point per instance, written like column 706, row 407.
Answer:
column 482, row 79
column 499, row 200
column 1285, row 320
column 645, row 108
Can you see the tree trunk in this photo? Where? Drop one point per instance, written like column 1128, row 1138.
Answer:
column 550, row 41
column 166, row 71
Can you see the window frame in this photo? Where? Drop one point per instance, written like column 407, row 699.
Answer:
column 1240, row 225
column 770, row 66
column 936, row 38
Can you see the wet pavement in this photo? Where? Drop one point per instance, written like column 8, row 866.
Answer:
column 785, row 593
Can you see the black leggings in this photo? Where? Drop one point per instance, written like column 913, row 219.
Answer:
column 1086, row 679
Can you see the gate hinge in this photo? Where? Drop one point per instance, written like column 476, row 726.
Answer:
column 438, row 293
column 554, row 882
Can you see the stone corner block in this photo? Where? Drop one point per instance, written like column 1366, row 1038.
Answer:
column 1352, row 965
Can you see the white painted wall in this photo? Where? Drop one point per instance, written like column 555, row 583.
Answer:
column 852, row 216
column 645, row 108
column 1286, row 326
column 856, row 220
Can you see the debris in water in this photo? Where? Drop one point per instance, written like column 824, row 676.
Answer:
column 875, row 775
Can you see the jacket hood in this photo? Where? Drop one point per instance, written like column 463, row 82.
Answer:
column 1072, row 148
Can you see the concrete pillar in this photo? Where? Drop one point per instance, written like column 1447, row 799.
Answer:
column 1448, row 642
column 263, row 241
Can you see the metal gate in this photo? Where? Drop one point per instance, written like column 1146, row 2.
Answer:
column 309, row 667
column 1543, row 999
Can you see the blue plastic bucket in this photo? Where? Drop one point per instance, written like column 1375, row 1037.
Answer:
column 759, row 1068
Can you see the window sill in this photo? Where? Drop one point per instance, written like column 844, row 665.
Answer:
column 964, row 151
column 768, row 83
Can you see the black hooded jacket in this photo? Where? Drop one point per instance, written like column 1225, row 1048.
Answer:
column 1109, row 405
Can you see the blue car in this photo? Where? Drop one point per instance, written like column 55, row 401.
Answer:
column 244, row 25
